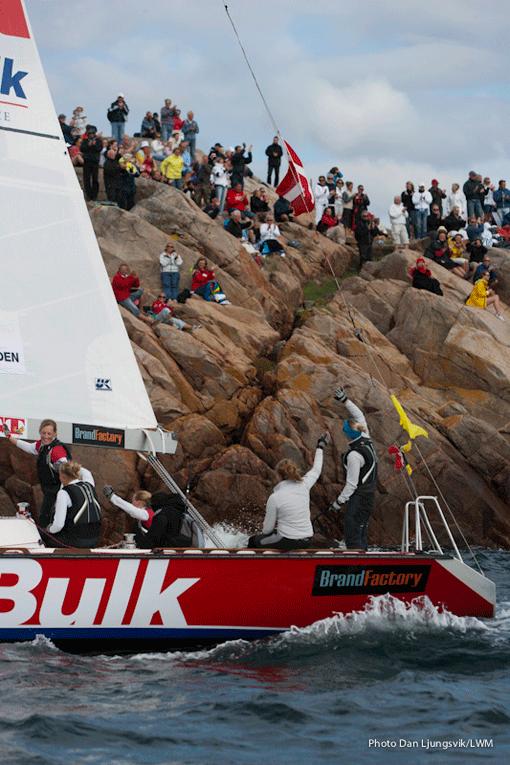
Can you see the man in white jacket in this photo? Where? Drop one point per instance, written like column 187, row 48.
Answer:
column 322, row 193
column 398, row 215
column 421, row 200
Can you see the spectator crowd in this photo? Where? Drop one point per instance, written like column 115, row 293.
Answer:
column 460, row 224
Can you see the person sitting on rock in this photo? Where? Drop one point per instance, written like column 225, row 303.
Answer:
column 258, row 204
column 439, row 252
column 434, row 220
column 454, row 222
column 160, row 518
column 237, row 200
column 287, row 524
column 283, row 210
column 77, row 519
column 481, row 296
column 328, row 220
column 476, row 250
column 457, row 246
column 126, row 288
column 422, row 278
column 485, row 265
column 235, row 226
column 165, row 313
column 145, row 159
column 204, row 285
column 269, row 235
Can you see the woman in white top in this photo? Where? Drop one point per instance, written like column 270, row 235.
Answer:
column 456, row 198
column 287, row 525
column 170, row 263
column 219, row 177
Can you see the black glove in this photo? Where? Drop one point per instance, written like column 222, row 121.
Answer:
column 340, row 395
column 108, row 491
column 7, row 430
column 323, row 441
column 335, row 506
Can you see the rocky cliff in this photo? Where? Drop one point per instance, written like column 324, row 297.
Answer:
column 255, row 382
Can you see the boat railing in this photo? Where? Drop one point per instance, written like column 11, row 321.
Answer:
column 421, row 520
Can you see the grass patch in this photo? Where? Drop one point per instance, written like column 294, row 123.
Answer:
column 320, row 291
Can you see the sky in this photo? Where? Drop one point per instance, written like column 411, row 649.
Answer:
column 388, row 92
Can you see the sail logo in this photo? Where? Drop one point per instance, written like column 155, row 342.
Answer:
column 95, row 435
column 103, row 384
column 343, row 580
column 11, row 80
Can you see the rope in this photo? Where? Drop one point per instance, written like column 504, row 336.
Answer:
column 357, row 330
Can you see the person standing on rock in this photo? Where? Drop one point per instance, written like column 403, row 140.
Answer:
column 274, row 157
column 398, row 215
column 360, row 468
column 117, row 115
column 287, row 525
column 170, row 262
column 364, row 234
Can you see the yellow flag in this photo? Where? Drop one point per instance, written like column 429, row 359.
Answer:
column 413, row 430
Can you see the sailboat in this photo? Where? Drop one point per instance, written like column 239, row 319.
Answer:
column 64, row 353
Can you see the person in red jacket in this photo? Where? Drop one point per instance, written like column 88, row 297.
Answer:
column 125, row 286
column 204, row 285
column 237, row 200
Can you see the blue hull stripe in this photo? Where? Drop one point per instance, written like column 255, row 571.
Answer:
column 157, row 633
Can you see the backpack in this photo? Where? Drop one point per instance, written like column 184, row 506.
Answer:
column 191, row 530
column 183, row 296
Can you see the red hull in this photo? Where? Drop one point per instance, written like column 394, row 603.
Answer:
column 198, row 597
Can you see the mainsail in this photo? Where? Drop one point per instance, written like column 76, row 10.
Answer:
column 64, row 351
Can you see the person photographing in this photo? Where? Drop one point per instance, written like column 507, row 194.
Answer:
column 360, row 469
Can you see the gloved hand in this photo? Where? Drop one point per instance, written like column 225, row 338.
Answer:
column 7, row 430
column 108, row 491
column 335, row 506
column 323, row 441
column 340, row 395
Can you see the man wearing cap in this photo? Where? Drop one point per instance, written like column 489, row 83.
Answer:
column 91, row 148
column 67, row 131
column 421, row 200
column 360, row 470
column 471, row 190
column 117, row 115
column 437, row 195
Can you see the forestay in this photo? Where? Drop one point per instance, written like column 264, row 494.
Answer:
column 64, row 351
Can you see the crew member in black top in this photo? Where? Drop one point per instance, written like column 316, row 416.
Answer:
column 50, row 453
column 77, row 521
column 360, row 468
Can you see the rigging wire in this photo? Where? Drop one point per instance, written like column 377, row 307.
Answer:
column 357, row 330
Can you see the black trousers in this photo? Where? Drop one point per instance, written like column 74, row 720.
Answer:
column 91, row 179
column 358, row 510
column 277, row 542
column 276, row 169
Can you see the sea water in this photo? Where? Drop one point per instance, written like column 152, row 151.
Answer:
column 391, row 684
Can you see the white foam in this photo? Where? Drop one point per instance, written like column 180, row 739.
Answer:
column 385, row 613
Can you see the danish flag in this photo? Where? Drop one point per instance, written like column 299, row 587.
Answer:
column 295, row 186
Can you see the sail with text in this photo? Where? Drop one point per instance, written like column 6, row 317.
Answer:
column 295, row 186
column 64, row 350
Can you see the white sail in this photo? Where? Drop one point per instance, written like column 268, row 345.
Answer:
column 64, row 351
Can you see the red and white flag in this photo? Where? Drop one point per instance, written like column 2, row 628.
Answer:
column 295, row 186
